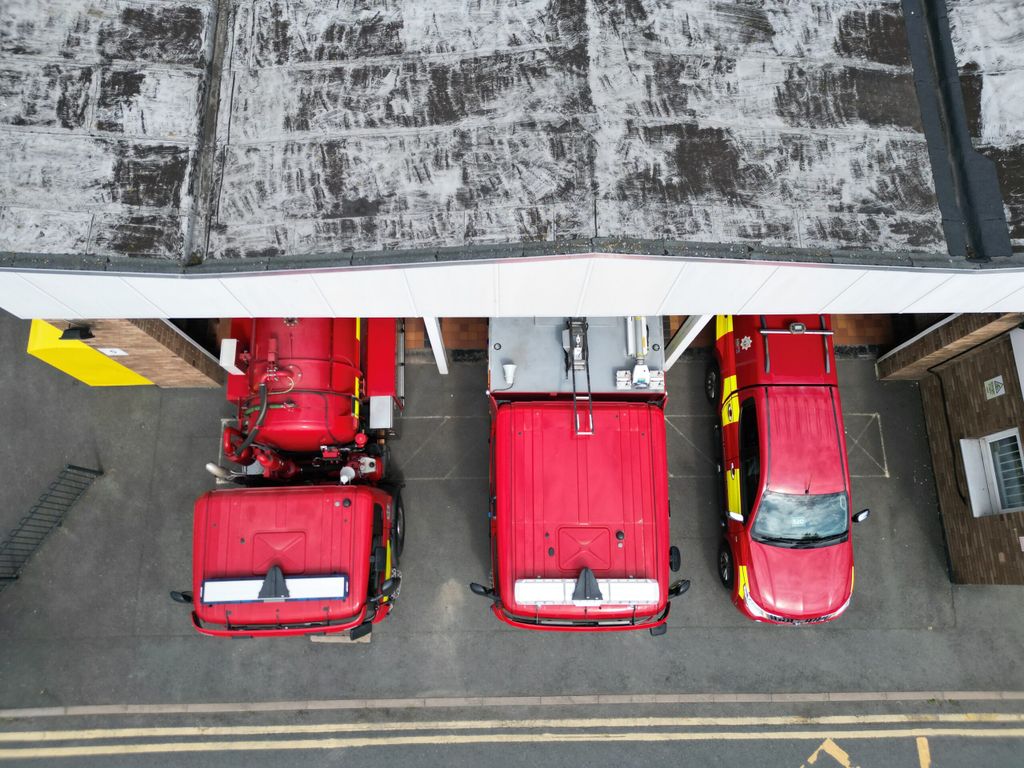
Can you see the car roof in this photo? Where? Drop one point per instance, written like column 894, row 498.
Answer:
column 562, row 499
column 805, row 448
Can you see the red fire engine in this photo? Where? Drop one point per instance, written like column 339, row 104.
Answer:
column 786, row 555
column 311, row 543
column 579, row 509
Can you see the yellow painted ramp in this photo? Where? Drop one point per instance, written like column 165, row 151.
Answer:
column 78, row 359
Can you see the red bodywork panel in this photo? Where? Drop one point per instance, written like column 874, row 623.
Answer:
column 806, row 453
column 306, row 531
column 381, row 352
column 311, row 367
column 790, row 381
column 561, row 499
column 799, row 583
column 791, row 359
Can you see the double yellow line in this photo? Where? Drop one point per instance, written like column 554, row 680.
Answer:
column 39, row 744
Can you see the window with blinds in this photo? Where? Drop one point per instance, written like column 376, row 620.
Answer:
column 994, row 469
column 1008, row 470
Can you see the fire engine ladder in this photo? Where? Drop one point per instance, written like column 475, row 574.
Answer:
column 48, row 513
column 578, row 359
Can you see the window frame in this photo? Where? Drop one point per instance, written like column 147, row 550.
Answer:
column 747, row 494
column 981, row 474
column 993, row 476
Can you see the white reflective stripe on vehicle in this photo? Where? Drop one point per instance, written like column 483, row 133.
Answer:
column 614, row 592
column 333, row 587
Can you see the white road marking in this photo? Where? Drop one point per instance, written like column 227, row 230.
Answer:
column 420, row 702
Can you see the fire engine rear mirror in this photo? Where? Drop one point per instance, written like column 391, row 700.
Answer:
column 861, row 516
column 480, row 589
column 678, row 588
column 389, row 587
column 181, row 597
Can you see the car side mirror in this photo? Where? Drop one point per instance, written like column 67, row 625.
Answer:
column 678, row 588
column 480, row 589
column 182, row 597
column 861, row 516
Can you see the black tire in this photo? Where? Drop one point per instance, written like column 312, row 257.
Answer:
column 726, row 568
column 712, row 382
column 383, row 452
column 398, row 528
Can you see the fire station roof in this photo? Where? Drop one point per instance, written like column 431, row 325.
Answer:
column 187, row 133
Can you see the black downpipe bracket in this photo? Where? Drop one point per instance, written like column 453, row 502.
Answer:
column 966, row 182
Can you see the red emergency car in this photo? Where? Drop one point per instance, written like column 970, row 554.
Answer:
column 787, row 554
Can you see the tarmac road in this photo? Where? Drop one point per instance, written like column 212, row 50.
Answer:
column 90, row 622
column 868, row 732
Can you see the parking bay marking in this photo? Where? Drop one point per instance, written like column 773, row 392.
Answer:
column 924, row 753
column 873, row 418
column 831, row 749
column 442, row 739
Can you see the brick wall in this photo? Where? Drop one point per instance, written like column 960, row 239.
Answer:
column 982, row 550
column 155, row 350
column 862, row 330
column 460, row 333
column 464, row 332
column 471, row 332
column 415, row 333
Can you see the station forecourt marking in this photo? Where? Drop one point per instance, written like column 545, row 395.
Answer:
column 985, row 718
column 41, row 744
column 833, row 750
column 857, row 440
column 449, row 739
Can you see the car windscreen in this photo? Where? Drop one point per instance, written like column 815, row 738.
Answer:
column 786, row 517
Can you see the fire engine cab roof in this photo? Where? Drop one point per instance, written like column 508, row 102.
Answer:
column 304, row 531
column 567, row 502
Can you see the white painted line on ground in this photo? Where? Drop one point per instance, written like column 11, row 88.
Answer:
column 418, row 478
column 441, row 416
column 884, row 466
column 504, row 701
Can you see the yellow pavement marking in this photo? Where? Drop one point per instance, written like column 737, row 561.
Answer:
column 463, row 725
column 924, row 752
column 494, row 738
column 831, row 749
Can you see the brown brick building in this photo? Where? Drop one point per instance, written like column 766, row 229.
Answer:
column 969, row 368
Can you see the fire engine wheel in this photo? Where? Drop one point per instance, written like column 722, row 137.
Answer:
column 725, row 566
column 398, row 529
column 712, row 382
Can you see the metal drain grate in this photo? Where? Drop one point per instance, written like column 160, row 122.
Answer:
column 47, row 513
